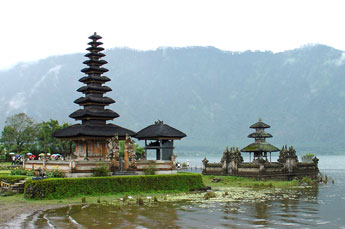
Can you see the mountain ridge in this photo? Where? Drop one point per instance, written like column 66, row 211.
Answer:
column 210, row 94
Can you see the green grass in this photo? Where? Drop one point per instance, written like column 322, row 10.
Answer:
column 91, row 199
column 5, row 172
column 232, row 181
column 5, row 163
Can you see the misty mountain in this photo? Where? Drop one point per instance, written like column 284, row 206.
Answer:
column 211, row 95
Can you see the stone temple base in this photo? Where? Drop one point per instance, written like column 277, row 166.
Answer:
column 76, row 168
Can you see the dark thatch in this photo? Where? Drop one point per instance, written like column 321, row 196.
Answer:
column 95, row 37
column 98, row 89
column 95, row 62
column 94, row 70
column 91, row 130
column 96, row 43
column 93, row 113
column 94, row 55
column 92, row 99
column 101, row 79
column 260, row 135
column 160, row 130
column 95, row 49
column 260, row 147
column 260, row 124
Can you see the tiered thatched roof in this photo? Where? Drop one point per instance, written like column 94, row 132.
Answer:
column 93, row 115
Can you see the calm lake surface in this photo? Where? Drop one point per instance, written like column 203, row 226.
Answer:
column 320, row 207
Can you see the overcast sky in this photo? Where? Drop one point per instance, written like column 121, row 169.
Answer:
column 35, row 29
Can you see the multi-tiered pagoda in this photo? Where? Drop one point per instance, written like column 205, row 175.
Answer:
column 91, row 135
column 260, row 147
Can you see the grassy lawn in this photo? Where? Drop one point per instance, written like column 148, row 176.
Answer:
column 232, row 181
column 5, row 163
column 5, row 171
column 90, row 199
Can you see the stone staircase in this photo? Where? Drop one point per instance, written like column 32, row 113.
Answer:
column 124, row 173
column 15, row 188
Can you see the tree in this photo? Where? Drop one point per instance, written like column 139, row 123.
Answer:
column 139, row 151
column 19, row 132
column 46, row 142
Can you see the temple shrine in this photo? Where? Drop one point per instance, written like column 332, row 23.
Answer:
column 160, row 137
column 260, row 147
column 91, row 135
column 98, row 142
column 287, row 166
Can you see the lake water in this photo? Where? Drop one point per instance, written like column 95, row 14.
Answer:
column 318, row 207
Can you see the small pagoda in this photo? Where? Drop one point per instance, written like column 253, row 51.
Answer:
column 260, row 147
column 91, row 135
column 160, row 137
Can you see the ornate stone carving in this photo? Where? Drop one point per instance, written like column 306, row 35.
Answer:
column 113, row 148
column 129, row 154
column 204, row 162
column 235, row 155
column 286, row 153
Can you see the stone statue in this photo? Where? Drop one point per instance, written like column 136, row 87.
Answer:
column 113, row 154
column 113, row 148
column 283, row 154
column 235, row 155
column 129, row 154
column 204, row 162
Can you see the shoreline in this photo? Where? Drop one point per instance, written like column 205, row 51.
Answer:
column 12, row 213
column 14, row 209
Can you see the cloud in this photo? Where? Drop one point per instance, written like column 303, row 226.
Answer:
column 54, row 70
column 341, row 60
column 17, row 101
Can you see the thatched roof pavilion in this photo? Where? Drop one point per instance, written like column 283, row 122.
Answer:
column 162, row 138
column 260, row 147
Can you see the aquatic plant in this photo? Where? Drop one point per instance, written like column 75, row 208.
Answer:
column 209, row 195
column 140, row 201
column 308, row 181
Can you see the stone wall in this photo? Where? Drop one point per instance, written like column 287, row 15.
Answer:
column 75, row 168
column 287, row 168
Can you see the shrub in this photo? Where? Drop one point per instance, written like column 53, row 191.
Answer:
column 18, row 172
column 55, row 173
column 150, row 170
column 101, row 171
column 307, row 157
column 68, row 187
column 308, row 181
column 11, row 179
column 30, row 173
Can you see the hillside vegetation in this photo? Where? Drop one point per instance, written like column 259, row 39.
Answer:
column 211, row 95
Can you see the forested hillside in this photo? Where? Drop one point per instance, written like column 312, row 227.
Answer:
column 211, row 95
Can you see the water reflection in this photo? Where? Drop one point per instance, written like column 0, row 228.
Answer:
column 105, row 216
column 321, row 206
